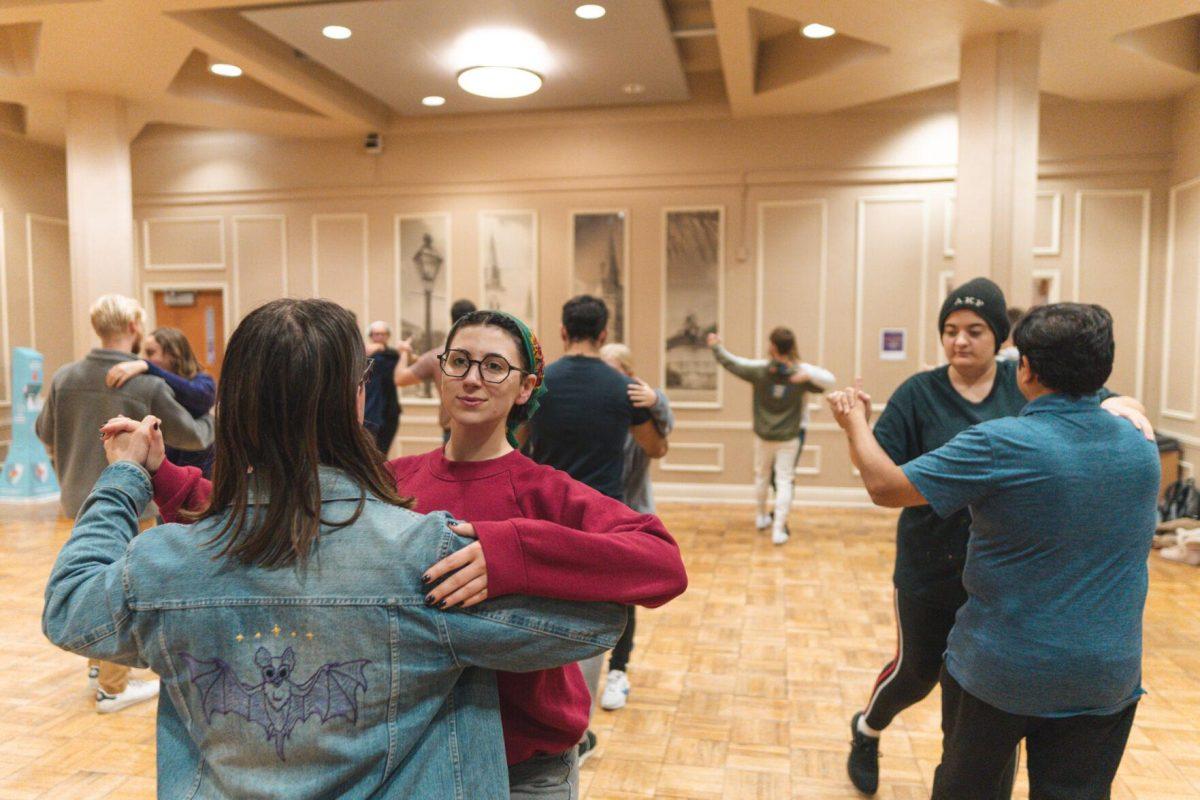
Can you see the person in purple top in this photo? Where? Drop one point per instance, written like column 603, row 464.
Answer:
column 168, row 355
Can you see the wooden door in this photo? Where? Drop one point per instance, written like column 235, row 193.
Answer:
column 201, row 317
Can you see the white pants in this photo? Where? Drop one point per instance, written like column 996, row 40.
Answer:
column 778, row 459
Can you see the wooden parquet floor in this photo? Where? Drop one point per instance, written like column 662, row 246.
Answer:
column 742, row 689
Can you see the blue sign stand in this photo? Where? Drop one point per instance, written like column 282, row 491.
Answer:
column 28, row 476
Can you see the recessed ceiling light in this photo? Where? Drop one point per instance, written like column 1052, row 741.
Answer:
column 590, row 11
column 501, row 83
column 433, row 100
column 336, row 32
column 633, row 88
column 815, row 30
column 225, row 70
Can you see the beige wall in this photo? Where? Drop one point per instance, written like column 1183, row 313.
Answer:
column 35, row 284
column 836, row 225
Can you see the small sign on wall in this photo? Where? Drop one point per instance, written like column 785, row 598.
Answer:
column 893, row 344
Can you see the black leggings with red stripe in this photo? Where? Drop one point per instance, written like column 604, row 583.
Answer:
column 921, row 633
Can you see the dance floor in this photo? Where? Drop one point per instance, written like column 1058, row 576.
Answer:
column 742, row 688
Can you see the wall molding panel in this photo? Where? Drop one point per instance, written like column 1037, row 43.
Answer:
column 1054, row 246
column 1143, row 274
column 1171, row 294
column 339, row 294
column 719, row 466
column 822, row 208
column 215, row 246
column 249, row 219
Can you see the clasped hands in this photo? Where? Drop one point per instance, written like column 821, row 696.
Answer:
column 850, row 405
column 126, row 439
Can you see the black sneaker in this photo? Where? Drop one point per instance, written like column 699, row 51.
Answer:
column 587, row 746
column 863, row 764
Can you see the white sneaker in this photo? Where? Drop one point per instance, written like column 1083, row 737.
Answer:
column 93, row 678
column 780, row 535
column 616, row 690
column 763, row 521
column 135, row 692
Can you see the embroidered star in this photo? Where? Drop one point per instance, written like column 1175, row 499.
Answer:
column 239, row 637
column 293, row 634
column 308, row 636
column 257, row 635
column 275, row 630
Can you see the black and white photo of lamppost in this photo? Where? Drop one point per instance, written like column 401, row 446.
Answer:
column 428, row 262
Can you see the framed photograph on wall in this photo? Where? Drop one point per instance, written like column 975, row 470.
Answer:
column 508, row 263
column 693, row 302
column 599, row 255
column 422, row 288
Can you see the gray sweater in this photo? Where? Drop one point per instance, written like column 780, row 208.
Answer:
column 639, row 495
column 79, row 402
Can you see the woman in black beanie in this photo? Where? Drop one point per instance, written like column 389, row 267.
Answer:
column 925, row 412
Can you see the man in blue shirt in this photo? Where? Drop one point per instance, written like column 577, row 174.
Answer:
column 1048, row 646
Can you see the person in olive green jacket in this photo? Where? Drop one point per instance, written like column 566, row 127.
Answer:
column 781, row 384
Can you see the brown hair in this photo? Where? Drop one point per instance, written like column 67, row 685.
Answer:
column 785, row 342
column 176, row 347
column 288, row 400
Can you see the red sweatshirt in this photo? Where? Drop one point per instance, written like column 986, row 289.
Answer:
column 542, row 534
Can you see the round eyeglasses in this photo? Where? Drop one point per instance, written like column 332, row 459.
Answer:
column 492, row 368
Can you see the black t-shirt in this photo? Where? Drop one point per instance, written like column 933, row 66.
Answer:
column 921, row 416
column 582, row 423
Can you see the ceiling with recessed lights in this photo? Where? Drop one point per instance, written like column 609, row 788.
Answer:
column 333, row 68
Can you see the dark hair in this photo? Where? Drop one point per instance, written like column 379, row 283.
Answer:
column 497, row 319
column 176, row 347
column 288, row 400
column 1014, row 314
column 460, row 309
column 1069, row 346
column 785, row 342
column 585, row 318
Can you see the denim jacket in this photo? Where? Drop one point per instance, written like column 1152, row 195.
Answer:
column 332, row 680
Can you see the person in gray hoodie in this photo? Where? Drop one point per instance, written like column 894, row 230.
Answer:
column 78, row 403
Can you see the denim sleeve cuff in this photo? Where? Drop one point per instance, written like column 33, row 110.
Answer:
column 130, row 477
column 505, row 558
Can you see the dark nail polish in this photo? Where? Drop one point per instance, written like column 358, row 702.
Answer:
column 442, row 604
column 426, row 578
column 429, row 601
column 156, row 426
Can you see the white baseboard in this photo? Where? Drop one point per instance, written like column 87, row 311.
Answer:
column 743, row 494
column 1186, row 439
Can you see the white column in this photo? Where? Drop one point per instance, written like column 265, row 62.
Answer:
column 99, row 206
column 998, row 161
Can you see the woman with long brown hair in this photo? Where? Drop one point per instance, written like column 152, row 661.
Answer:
column 289, row 624
column 168, row 354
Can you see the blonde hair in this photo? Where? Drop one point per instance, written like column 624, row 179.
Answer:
column 619, row 353
column 112, row 313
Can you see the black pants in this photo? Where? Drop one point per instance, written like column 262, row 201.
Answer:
column 620, row 654
column 921, row 633
column 1070, row 758
column 386, row 433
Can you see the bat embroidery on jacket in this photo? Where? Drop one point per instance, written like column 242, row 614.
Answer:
column 277, row 703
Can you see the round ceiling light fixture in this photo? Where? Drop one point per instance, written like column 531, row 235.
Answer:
column 815, row 30
column 226, row 70
column 433, row 101
column 338, row 32
column 590, row 11
column 499, row 83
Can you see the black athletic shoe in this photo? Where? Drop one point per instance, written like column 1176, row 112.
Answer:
column 863, row 764
column 587, row 747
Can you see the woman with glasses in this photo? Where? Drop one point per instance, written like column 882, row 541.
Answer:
column 537, row 531
column 297, row 657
